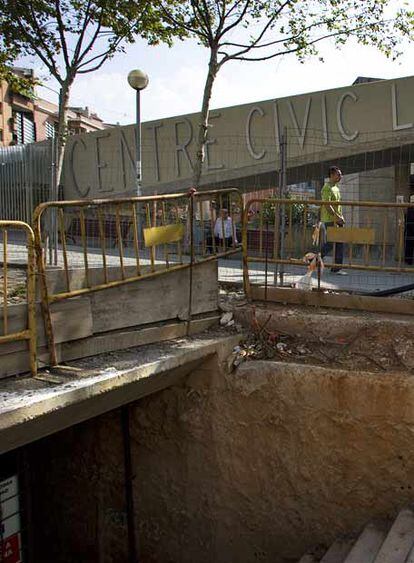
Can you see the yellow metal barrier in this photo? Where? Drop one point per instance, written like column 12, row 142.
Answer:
column 154, row 236
column 142, row 237
column 282, row 231
column 353, row 235
column 29, row 333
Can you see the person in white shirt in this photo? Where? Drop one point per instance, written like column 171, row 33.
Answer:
column 224, row 231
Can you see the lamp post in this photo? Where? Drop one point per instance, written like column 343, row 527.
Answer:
column 138, row 80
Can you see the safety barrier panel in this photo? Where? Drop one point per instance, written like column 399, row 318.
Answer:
column 112, row 242
column 375, row 237
column 29, row 333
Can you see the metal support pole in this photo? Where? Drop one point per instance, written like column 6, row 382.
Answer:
column 138, row 80
column 52, row 236
column 192, row 260
column 319, row 258
column 56, row 197
column 266, row 257
column 282, row 195
column 138, row 146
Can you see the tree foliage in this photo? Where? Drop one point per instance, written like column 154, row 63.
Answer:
column 75, row 37
column 18, row 83
column 281, row 27
column 257, row 30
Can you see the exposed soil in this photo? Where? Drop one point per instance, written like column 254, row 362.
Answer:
column 349, row 340
column 255, row 464
column 16, row 285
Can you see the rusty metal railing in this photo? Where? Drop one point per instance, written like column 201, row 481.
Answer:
column 112, row 242
column 29, row 333
column 375, row 237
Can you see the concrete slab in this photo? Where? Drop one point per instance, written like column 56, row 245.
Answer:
column 31, row 408
column 399, row 541
column 368, row 544
column 337, row 552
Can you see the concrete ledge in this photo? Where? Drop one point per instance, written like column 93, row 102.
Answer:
column 129, row 338
column 31, row 409
column 336, row 301
column 314, row 324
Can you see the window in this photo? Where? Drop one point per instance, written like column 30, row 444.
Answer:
column 24, row 128
column 29, row 131
column 50, row 130
column 18, row 127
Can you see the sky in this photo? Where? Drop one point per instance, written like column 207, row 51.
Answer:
column 177, row 75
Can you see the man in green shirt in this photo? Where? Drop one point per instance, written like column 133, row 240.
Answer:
column 331, row 215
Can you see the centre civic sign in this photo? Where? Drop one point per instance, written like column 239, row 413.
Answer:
column 243, row 140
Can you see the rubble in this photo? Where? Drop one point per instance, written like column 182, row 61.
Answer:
column 374, row 348
column 16, row 286
column 287, row 333
column 260, row 344
column 226, row 319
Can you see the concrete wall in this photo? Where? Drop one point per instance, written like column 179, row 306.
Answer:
column 257, row 465
column 243, row 140
column 86, row 325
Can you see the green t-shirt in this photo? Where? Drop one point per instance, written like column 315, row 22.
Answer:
column 330, row 193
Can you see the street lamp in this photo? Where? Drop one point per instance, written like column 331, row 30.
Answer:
column 138, row 80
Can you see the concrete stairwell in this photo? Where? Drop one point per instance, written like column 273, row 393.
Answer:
column 380, row 542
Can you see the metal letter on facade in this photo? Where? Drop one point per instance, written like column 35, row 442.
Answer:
column 342, row 130
column 99, row 164
column 395, row 125
column 300, row 132
column 324, row 120
column 125, row 149
column 276, row 125
column 182, row 147
column 82, row 193
column 255, row 155
column 154, row 129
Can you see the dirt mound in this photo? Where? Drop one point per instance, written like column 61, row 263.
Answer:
column 353, row 341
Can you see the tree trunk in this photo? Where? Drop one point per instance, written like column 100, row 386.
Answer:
column 205, row 111
column 62, row 132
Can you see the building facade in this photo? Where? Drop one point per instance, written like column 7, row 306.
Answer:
column 363, row 128
column 25, row 120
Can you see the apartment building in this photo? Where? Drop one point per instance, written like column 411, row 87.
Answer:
column 24, row 120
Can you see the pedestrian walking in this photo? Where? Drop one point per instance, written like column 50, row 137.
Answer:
column 331, row 216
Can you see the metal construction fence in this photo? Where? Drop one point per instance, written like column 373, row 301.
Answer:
column 112, row 242
column 281, row 237
column 108, row 243
column 22, row 289
column 26, row 179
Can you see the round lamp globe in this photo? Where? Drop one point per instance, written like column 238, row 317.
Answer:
column 137, row 79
